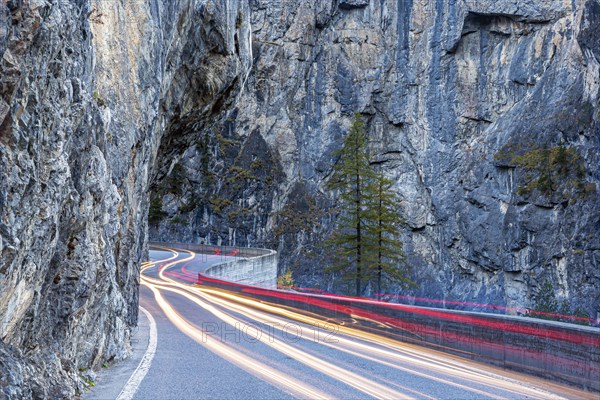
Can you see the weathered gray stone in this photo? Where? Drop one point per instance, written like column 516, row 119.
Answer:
column 88, row 91
column 230, row 112
column 445, row 87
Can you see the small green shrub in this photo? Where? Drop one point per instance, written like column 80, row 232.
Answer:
column 285, row 280
column 176, row 220
column 177, row 180
column 239, row 174
column 546, row 301
column 190, row 205
column 547, row 307
column 88, row 382
column 155, row 211
column 224, row 142
column 235, row 213
column 219, row 203
column 581, row 313
column 549, row 170
column 99, row 100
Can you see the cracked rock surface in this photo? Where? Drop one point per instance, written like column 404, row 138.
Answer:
column 463, row 100
column 88, row 91
column 222, row 118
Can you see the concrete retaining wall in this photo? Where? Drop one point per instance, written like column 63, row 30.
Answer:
column 252, row 266
column 258, row 270
column 553, row 350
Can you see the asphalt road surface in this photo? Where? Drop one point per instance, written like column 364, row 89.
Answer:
column 212, row 344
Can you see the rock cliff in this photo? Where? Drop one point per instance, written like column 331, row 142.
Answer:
column 88, row 92
column 484, row 113
column 221, row 117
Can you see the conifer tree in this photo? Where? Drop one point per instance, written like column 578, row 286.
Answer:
column 365, row 241
column 352, row 177
column 546, row 301
column 384, row 248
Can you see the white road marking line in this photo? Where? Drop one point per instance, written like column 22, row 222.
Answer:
column 140, row 372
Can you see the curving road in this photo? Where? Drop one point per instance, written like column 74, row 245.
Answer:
column 212, row 344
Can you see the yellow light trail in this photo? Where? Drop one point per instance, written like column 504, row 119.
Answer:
column 262, row 371
column 430, row 362
column 369, row 347
column 365, row 385
column 354, row 380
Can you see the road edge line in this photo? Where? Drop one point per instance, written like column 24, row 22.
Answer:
column 140, row 372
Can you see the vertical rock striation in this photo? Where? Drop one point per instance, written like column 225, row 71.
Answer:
column 473, row 109
column 88, row 92
column 222, row 118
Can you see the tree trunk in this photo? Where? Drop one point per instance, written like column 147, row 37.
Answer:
column 358, row 236
column 380, row 240
column 379, row 267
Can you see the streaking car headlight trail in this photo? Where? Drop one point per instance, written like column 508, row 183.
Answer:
column 173, row 275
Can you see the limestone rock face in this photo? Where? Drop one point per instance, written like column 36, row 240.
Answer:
column 88, row 91
column 468, row 105
column 224, row 117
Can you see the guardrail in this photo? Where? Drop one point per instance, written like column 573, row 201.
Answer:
column 252, row 266
column 553, row 350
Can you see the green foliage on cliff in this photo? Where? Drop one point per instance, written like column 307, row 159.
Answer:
column 548, row 307
column 239, row 175
column 99, row 100
column 155, row 211
column 177, row 220
column 285, row 280
column 224, row 143
column 237, row 212
column 546, row 301
column 582, row 314
column 202, row 144
column 177, row 180
column 302, row 215
column 384, row 223
column 219, row 203
column 365, row 239
column 239, row 20
column 550, row 171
